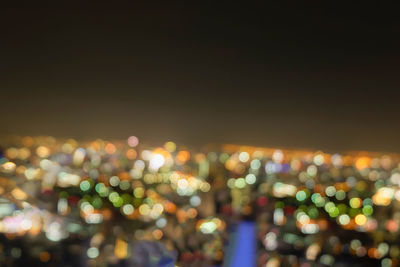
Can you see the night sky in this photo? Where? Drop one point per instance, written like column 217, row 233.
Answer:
column 307, row 74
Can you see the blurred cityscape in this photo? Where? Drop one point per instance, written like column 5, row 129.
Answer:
column 123, row 203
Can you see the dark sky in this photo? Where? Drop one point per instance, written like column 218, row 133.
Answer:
column 292, row 73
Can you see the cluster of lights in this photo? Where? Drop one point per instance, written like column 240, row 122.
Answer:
column 170, row 192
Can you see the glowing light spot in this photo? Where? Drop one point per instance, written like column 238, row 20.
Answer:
column 133, row 141
column 182, row 156
column 312, row 170
column 327, row 259
column 301, row 195
column 79, row 156
column 156, row 161
column 85, row 185
column 270, row 241
column 244, row 156
column 162, row 222
column 53, row 232
column 124, row 185
column 94, row 218
column 312, row 251
column 19, row 194
column 344, row 219
column 360, row 219
column 330, row 191
column 392, row 226
column 127, row 209
column 240, row 183
column 121, row 249
column 277, row 156
column 144, row 209
column 183, row 183
column 319, row 160
column 110, row 148
column 92, row 252
column 138, row 192
column 303, row 218
column 8, row 167
column 195, row 201
column 250, row 178
column 383, row 197
column 208, row 227
column 43, row 151
column 24, row 153
column 340, row 195
column 283, row 190
column 279, row 217
column 368, row 210
column 26, row 224
column 114, row 180
column 87, row 208
column 205, row 187
column 170, row 146
column 12, row 153
column 118, row 202
column 113, row 196
column 146, row 154
column 334, row 212
column 231, row 183
column 255, row 164
column 158, row 209
column 362, row 163
column 386, row 262
column 131, row 154
column 355, row 202
column 310, row 228
column 62, row 206
column 16, row 252
column 329, row 207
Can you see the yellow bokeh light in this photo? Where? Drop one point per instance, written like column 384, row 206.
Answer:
column 19, row 194
column 43, row 151
column 360, row 219
column 362, row 163
column 121, row 249
column 8, row 167
column 170, row 146
column 144, row 209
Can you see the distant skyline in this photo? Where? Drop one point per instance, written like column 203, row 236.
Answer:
column 294, row 74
